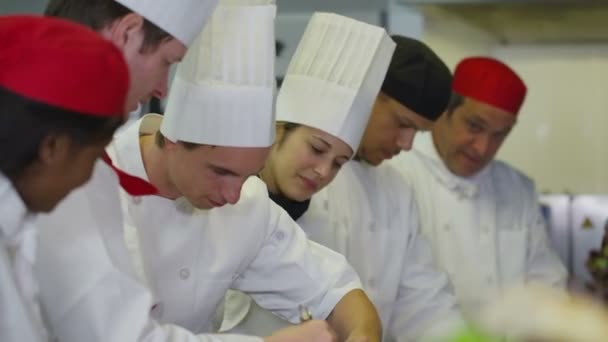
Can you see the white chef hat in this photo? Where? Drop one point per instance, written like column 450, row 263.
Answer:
column 223, row 90
column 183, row 19
column 335, row 75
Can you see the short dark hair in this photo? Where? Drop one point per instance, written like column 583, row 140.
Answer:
column 159, row 140
column 24, row 123
column 97, row 14
column 456, row 100
column 288, row 128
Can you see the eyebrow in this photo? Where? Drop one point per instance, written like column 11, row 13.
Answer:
column 231, row 172
column 322, row 140
column 407, row 121
column 222, row 169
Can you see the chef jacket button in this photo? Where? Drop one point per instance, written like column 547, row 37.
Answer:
column 136, row 199
column 279, row 235
column 157, row 310
column 371, row 282
column 490, row 279
column 184, row 273
column 372, row 227
column 446, row 227
column 326, row 204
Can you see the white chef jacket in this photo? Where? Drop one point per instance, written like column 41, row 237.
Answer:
column 20, row 318
column 487, row 231
column 89, row 288
column 369, row 215
column 191, row 257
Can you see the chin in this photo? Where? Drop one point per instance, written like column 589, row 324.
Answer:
column 299, row 195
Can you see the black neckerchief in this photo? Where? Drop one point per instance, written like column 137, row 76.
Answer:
column 295, row 209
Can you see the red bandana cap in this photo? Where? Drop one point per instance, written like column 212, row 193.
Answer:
column 62, row 64
column 490, row 81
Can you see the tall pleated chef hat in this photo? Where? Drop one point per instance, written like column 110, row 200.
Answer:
column 183, row 19
column 335, row 75
column 223, row 90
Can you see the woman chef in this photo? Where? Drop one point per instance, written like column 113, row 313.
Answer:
column 63, row 91
column 322, row 109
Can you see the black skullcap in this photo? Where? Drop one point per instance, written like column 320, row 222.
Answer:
column 418, row 79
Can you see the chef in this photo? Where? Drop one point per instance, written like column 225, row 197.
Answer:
column 152, row 35
column 481, row 216
column 322, row 109
column 368, row 213
column 211, row 226
column 58, row 114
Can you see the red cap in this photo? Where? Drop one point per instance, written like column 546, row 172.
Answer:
column 490, row 81
column 62, row 64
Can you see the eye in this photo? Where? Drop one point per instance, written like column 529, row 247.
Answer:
column 316, row 149
column 474, row 127
column 220, row 171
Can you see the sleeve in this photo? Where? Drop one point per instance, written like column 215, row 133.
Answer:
column 85, row 296
column 425, row 307
column 543, row 265
column 303, row 272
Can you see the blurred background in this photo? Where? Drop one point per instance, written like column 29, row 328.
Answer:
column 560, row 48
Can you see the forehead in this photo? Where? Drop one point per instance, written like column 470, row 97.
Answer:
column 420, row 122
column 172, row 48
column 494, row 117
column 240, row 160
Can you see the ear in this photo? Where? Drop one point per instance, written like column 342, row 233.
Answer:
column 54, row 149
column 126, row 30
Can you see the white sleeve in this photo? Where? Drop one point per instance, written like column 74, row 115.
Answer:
column 85, row 295
column 425, row 307
column 302, row 272
column 542, row 262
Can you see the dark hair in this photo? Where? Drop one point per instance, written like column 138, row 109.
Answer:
column 97, row 14
column 24, row 123
column 159, row 140
column 288, row 128
column 456, row 100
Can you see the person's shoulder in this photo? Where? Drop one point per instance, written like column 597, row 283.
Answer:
column 505, row 172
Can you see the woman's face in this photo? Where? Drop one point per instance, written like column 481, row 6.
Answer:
column 303, row 161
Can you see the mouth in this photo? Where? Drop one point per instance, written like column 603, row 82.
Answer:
column 214, row 203
column 309, row 184
column 472, row 160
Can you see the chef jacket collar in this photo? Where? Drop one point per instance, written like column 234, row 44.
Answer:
column 127, row 154
column 15, row 219
column 466, row 187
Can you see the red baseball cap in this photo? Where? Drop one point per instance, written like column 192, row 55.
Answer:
column 490, row 81
column 62, row 64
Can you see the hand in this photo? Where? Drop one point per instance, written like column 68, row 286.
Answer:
column 310, row 331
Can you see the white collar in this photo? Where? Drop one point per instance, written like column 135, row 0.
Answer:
column 15, row 218
column 467, row 187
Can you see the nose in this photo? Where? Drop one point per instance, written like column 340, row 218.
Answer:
column 162, row 88
column 232, row 192
column 481, row 145
column 405, row 139
column 323, row 169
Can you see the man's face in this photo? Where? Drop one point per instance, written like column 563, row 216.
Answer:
column 469, row 137
column 390, row 130
column 212, row 176
column 149, row 68
column 62, row 167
